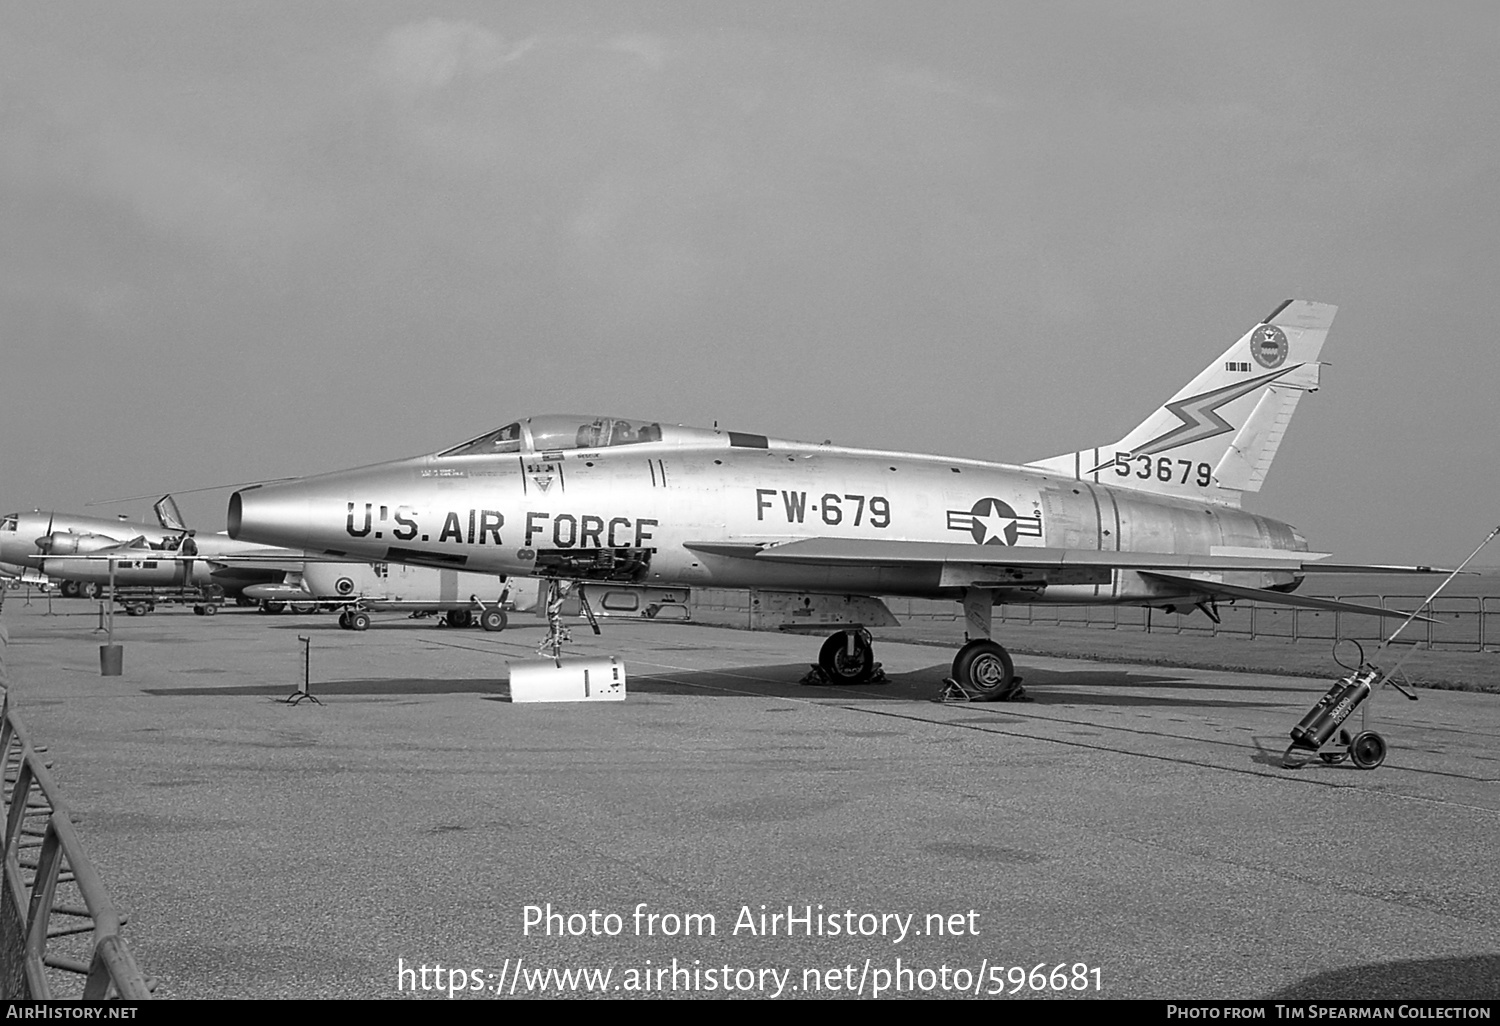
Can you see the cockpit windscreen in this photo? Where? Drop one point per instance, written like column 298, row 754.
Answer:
column 506, row 439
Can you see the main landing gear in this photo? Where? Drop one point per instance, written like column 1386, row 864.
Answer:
column 982, row 670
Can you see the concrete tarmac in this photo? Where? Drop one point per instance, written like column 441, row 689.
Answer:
column 1131, row 828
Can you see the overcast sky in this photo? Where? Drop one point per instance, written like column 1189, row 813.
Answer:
column 252, row 240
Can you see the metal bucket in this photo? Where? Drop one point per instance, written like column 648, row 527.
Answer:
column 111, row 660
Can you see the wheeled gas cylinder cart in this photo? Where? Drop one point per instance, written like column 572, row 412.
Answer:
column 1365, row 749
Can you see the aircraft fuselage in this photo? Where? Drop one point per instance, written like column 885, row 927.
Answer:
column 27, row 539
column 633, row 513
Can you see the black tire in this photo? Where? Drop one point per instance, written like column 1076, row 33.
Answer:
column 272, row 607
column 984, row 669
column 200, row 610
column 459, row 618
column 69, row 589
column 137, row 609
column 834, row 659
column 210, row 610
column 88, row 590
column 359, row 621
column 1333, row 758
column 492, row 620
column 1367, row 750
column 344, row 620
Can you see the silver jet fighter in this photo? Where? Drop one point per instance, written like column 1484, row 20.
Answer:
column 1153, row 519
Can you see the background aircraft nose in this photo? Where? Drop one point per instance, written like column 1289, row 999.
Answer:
column 276, row 514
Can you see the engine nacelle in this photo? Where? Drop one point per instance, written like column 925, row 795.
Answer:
column 66, row 543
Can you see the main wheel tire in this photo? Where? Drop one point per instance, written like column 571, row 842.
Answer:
column 69, row 589
column 359, row 621
column 985, row 670
column 459, row 618
column 344, row 620
column 272, row 607
column 88, row 590
column 492, row 620
column 1367, row 750
column 834, row 659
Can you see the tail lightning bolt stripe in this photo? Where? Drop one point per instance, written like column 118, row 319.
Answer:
column 1199, row 417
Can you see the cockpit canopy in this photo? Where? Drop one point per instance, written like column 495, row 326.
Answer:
column 558, row 431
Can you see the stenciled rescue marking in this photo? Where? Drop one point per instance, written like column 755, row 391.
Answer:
column 992, row 521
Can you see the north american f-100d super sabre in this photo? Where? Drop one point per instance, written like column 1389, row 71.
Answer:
column 1153, row 519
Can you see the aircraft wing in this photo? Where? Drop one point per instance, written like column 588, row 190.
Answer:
column 855, row 551
column 290, row 563
column 969, row 566
column 289, row 560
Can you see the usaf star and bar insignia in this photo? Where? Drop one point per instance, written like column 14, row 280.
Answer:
column 992, row 521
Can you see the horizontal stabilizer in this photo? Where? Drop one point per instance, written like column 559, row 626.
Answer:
column 1215, row 590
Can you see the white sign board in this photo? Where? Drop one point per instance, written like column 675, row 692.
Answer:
column 576, row 680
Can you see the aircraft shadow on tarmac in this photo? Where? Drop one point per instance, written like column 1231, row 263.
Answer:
column 402, row 623
column 784, row 680
column 1471, row 978
column 367, row 688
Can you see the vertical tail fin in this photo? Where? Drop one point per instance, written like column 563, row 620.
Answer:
column 1216, row 437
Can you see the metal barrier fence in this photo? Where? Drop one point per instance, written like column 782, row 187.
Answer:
column 59, row 932
column 1464, row 623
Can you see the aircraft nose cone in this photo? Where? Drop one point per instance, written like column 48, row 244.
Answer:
column 270, row 514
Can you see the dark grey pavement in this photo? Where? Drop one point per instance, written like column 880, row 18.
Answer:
column 1132, row 820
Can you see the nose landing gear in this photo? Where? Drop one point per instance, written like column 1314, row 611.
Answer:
column 848, row 657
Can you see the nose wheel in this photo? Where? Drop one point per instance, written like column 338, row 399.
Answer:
column 848, row 658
